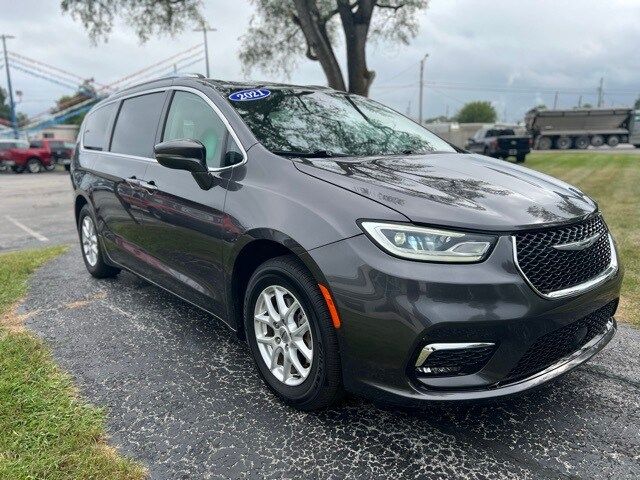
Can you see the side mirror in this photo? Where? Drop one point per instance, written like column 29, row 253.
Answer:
column 186, row 154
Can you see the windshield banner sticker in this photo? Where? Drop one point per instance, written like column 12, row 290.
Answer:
column 251, row 94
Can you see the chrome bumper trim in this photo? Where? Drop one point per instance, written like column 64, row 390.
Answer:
column 433, row 347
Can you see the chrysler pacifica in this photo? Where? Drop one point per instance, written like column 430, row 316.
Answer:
column 353, row 249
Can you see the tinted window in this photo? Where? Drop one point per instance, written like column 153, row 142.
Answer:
column 192, row 117
column 35, row 144
column 500, row 132
column 95, row 136
column 312, row 121
column 135, row 130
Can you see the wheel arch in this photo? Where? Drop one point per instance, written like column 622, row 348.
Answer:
column 249, row 252
column 80, row 202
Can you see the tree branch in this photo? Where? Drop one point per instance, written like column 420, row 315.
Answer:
column 395, row 8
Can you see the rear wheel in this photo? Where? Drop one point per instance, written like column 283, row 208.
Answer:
column 291, row 335
column 582, row 142
column 545, row 143
column 67, row 168
column 34, row 165
column 563, row 143
column 50, row 167
column 520, row 158
column 17, row 169
column 91, row 249
column 597, row 140
column 613, row 141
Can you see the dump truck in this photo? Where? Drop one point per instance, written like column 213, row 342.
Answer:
column 581, row 127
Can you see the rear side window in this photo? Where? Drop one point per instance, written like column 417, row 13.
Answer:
column 95, row 136
column 35, row 144
column 135, row 130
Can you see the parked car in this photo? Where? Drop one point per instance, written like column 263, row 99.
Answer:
column 40, row 155
column 499, row 142
column 352, row 249
column 6, row 145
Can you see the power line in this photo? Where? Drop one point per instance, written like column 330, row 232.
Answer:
column 24, row 58
column 137, row 73
column 43, row 77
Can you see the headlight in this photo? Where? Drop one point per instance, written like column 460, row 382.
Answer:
column 429, row 244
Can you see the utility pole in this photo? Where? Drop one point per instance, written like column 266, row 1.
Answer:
column 14, row 123
column 204, row 28
column 600, row 91
column 555, row 101
column 580, row 101
column 421, row 86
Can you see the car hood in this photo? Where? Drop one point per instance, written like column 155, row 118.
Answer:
column 464, row 190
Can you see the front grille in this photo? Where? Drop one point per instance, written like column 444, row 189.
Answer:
column 556, row 345
column 463, row 361
column 550, row 270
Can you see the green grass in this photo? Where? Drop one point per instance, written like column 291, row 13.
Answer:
column 46, row 432
column 614, row 182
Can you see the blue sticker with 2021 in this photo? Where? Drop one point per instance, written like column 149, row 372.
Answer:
column 251, row 94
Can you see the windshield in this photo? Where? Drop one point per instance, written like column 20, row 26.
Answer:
column 329, row 123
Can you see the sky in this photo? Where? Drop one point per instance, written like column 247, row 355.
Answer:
column 514, row 53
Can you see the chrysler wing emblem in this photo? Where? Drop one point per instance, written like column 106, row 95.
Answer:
column 580, row 244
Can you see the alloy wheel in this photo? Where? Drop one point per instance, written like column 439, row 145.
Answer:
column 89, row 241
column 283, row 335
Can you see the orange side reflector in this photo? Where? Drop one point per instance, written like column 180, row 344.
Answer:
column 335, row 318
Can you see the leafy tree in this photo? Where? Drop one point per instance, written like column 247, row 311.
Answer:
column 5, row 110
column 147, row 17
column 283, row 31
column 477, row 112
column 587, row 105
column 280, row 33
column 637, row 104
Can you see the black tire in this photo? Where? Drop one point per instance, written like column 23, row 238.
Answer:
column 100, row 269
column 51, row 167
column 545, row 143
column 34, row 165
column 67, row 168
column 323, row 385
column 17, row 169
column 613, row 141
column 637, row 145
column 582, row 143
column 520, row 158
column 597, row 140
column 564, row 143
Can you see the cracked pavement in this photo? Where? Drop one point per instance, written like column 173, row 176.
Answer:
column 182, row 396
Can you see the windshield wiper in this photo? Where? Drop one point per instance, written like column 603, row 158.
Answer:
column 313, row 154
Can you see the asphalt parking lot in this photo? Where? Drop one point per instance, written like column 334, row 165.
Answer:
column 36, row 210
column 182, row 396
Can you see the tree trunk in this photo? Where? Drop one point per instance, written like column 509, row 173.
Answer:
column 356, row 29
column 318, row 44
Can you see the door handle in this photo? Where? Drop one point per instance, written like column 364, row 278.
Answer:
column 150, row 186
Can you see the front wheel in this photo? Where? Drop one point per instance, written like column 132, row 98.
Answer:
column 520, row 158
column 34, row 165
column 91, row 250
column 291, row 336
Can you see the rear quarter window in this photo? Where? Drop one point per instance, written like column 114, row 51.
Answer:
column 96, row 135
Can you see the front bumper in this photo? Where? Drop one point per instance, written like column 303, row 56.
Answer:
column 390, row 308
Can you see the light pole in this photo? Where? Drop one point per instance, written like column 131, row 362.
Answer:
column 421, row 86
column 204, row 29
column 14, row 123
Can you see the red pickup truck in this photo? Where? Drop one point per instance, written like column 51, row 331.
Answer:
column 40, row 154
